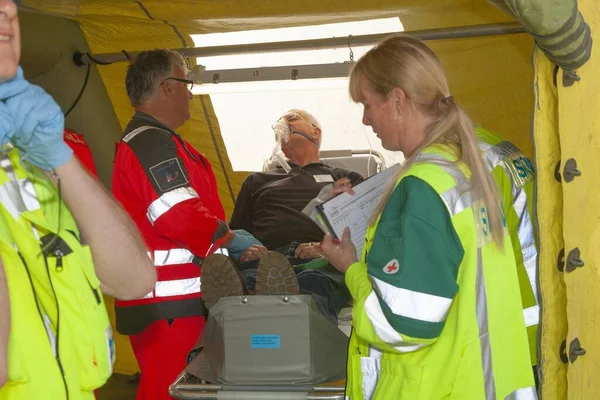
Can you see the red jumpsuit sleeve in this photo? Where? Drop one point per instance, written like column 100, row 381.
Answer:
column 158, row 177
column 81, row 150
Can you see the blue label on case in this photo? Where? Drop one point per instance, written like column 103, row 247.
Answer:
column 265, row 341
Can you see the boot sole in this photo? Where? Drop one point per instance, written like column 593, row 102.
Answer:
column 275, row 275
column 220, row 278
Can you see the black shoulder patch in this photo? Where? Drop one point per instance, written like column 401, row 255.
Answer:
column 168, row 175
column 157, row 153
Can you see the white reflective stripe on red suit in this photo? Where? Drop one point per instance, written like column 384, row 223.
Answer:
column 178, row 287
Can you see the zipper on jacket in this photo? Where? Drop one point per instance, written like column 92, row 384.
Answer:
column 37, row 304
column 96, row 295
column 59, row 255
column 347, row 356
column 57, row 347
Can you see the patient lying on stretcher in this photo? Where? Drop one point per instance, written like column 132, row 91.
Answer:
column 286, row 258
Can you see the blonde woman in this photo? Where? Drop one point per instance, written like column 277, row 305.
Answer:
column 437, row 310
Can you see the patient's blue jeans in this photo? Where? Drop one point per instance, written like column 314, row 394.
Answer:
column 325, row 285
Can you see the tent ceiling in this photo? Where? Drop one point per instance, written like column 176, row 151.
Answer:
column 108, row 17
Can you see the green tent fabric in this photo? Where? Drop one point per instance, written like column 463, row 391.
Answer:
column 557, row 27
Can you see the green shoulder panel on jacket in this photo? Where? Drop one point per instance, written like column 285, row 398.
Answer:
column 417, row 250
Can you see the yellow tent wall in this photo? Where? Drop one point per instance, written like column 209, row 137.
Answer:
column 491, row 77
column 566, row 130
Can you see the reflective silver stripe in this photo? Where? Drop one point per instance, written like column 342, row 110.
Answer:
column 382, row 327
column 28, row 195
column 370, row 368
column 457, row 200
column 443, row 162
column 172, row 256
column 168, row 200
column 222, row 250
column 459, row 197
column 374, row 352
column 526, row 240
column 523, row 394
column 178, row 287
column 49, row 329
column 16, row 195
column 532, row 315
column 525, row 233
column 484, row 334
column 412, row 304
column 177, row 256
column 137, row 131
column 494, row 157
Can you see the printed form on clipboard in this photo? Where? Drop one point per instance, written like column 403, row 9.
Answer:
column 354, row 211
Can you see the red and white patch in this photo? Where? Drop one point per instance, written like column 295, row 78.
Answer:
column 392, row 267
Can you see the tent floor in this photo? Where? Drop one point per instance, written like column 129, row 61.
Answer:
column 118, row 387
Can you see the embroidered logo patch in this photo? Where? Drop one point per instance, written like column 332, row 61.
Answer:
column 521, row 169
column 392, row 267
column 168, row 175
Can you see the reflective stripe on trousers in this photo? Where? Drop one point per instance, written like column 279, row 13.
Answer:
column 171, row 257
column 177, row 256
column 178, row 287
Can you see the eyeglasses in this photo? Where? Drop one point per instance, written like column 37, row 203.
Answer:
column 188, row 83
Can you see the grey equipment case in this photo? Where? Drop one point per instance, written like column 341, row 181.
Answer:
column 275, row 344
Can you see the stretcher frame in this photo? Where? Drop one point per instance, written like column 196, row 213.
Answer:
column 183, row 389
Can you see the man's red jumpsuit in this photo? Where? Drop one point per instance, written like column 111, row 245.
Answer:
column 170, row 191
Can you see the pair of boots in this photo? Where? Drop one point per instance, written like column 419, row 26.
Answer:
column 221, row 278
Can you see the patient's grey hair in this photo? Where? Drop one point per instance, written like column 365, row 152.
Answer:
column 291, row 115
column 148, row 70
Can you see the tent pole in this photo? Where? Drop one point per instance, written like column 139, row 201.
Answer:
column 459, row 32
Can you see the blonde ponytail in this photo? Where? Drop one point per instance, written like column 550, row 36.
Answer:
column 404, row 62
column 481, row 178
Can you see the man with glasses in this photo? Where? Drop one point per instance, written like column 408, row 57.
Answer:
column 170, row 191
column 269, row 206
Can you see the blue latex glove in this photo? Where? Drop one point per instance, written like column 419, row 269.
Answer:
column 7, row 125
column 39, row 126
column 8, row 89
column 242, row 240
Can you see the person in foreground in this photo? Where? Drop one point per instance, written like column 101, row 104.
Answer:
column 437, row 310
column 55, row 337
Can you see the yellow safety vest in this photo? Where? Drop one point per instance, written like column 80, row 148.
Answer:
column 514, row 175
column 482, row 351
column 60, row 343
